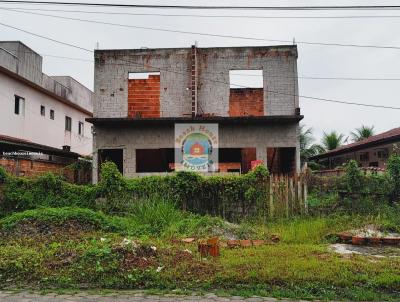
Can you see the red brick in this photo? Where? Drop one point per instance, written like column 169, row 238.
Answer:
column 246, row 102
column 144, row 97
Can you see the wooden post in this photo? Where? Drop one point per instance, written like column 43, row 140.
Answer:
column 286, row 180
column 305, row 190
column 299, row 194
column 271, row 196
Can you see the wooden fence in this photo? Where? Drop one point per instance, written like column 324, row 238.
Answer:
column 287, row 195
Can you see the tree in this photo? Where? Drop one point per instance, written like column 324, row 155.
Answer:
column 332, row 140
column 307, row 146
column 362, row 132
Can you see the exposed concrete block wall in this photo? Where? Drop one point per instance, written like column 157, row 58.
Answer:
column 213, row 88
column 246, row 102
column 112, row 68
column 279, row 74
column 144, row 97
column 129, row 139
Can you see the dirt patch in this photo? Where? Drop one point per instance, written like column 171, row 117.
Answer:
column 40, row 228
column 62, row 259
column 374, row 251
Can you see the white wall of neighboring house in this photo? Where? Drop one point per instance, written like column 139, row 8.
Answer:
column 32, row 126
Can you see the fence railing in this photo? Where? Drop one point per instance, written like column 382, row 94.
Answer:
column 287, row 195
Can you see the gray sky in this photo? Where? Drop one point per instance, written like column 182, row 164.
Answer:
column 319, row 61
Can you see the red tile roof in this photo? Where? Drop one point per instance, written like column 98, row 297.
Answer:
column 385, row 137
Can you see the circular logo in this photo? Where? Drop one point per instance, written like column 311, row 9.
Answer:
column 196, row 151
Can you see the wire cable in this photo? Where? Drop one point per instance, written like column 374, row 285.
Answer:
column 206, row 16
column 214, row 7
column 207, row 34
column 212, row 80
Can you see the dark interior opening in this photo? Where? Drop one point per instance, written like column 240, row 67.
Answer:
column 114, row 155
column 281, row 160
column 154, row 160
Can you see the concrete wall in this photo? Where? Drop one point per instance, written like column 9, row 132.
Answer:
column 113, row 66
column 32, row 126
column 23, row 61
column 230, row 136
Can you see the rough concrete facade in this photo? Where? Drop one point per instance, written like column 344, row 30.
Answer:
column 204, row 84
column 230, row 136
column 112, row 68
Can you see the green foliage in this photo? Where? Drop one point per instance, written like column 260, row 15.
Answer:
column 393, row 168
column 362, row 132
column 332, row 140
column 47, row 190
column 58, row 216
column 353, row 177
column 111, row 181
column 3, row 175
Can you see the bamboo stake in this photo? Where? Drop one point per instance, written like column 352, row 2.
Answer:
column 271, row 196
column 305, row 197
column 286, row 180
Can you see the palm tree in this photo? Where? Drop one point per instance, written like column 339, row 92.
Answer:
column 307, row 146
column 332, row 140
column 362, row 133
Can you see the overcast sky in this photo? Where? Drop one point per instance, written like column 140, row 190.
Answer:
column 317, row 61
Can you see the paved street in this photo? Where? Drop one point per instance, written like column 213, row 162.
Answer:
column 119, row 297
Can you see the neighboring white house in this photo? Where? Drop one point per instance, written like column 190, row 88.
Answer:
column 42, row 109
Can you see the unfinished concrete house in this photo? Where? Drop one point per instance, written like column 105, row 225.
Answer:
column 141, row 94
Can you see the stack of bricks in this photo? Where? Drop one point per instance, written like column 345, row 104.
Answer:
column 144, row 97
column 246, row 102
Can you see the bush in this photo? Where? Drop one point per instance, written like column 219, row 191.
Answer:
column 58, row 216
column 47, row 190
column 393, row 168
column 3, row 175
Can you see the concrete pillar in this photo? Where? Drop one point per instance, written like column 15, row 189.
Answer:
column 95, row 167
column 129, row 161
column 261, row 154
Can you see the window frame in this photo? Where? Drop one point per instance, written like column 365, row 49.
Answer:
column 68, row 123
column 42, row 110
column 17, row 109
column 81, row 128
column 52, row 114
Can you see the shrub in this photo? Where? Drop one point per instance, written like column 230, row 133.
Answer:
column 353, row 177
column 46, row 190
column 3, row 175
column 59, row 216
column 393, row 168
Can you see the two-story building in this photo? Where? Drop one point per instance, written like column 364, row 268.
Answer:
column 141, row 95
column 40, row 114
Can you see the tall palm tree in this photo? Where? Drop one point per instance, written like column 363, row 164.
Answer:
column 307, row 146
column 332, row 140
column 362, row 132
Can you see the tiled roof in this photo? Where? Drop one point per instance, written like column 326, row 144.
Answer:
column 384, row 137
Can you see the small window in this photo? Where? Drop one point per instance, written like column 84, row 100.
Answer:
column 364, row 156
column 42, row 110
column 52, row 114
column 246, row 78
column 18, row 104
column 80, row 128
column 68, row 123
